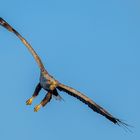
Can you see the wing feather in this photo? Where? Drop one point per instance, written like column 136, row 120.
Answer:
column 24, row 41
column 95, row 107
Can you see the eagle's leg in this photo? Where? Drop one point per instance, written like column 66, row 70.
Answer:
column 36, row 92
column 46, row 99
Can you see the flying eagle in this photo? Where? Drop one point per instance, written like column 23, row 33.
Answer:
column 52, row 86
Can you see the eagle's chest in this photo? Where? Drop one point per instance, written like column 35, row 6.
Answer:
column 45, row 83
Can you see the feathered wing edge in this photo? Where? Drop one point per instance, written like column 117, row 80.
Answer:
column 95, row 107
column 32, row 51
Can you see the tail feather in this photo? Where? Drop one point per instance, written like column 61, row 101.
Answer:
column 58, row 97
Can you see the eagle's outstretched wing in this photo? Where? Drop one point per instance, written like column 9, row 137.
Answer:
column 24, row 41
column 95, row 107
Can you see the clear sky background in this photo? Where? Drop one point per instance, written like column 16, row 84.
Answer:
column 91, row 45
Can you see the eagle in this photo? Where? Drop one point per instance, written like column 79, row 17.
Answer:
column 53, row 86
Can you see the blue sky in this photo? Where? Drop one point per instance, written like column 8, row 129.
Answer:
column 90, row 45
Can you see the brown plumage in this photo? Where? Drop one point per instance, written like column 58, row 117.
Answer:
column 51, row 85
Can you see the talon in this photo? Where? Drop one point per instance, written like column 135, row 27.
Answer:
column 29, row 101
column 37, row 107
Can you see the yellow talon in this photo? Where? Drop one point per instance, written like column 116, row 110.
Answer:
column 29, row 101
column 37, row 107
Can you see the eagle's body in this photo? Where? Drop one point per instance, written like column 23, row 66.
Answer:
column 45, row 80
column 51, row 85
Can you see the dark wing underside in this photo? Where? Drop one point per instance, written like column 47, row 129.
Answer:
column 89, row 102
